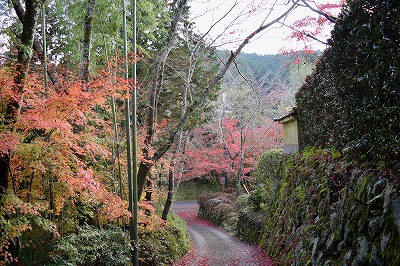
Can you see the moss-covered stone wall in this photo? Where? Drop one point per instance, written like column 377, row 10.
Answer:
column 324, row 210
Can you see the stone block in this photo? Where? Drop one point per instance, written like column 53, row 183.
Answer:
column 375, row 226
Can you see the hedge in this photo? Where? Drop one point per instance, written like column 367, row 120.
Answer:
column 351, row 101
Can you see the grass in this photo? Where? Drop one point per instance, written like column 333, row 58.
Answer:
column 191, row 190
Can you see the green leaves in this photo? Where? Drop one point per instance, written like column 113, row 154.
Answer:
column 270, row 166
column 269, row 170
column 350, row 102
column 91, row 246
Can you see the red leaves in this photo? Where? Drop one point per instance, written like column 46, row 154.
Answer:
column 209, row 151
column 63, row 138
column 308, row 50
column 8, row 142
column 112, row 207
column 328, row 7
column 36, row 121
column 309, row 26
column 317, row 25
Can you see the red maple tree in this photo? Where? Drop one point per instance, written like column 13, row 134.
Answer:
column 231, row 150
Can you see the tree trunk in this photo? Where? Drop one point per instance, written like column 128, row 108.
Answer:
column 117, row 147
column 240, row 170
column 149, row 189
column 86, row 41
column 144, row 167
column 51, row 69
column 24, row 58
column 183, row 160
column 168, row 202
column 4, row 163
column 45, row 76
column 51, row 198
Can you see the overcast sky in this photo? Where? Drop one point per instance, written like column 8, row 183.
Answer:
column 250, row 14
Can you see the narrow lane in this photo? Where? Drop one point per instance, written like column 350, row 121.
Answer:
column 212, row 246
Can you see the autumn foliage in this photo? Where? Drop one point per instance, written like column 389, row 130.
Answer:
column 214, row 151
column 60, row 154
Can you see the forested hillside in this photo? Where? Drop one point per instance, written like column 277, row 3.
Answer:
column 282, row 67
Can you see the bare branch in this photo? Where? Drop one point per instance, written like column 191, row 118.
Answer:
column 304, row 33
column 327, row 16
column 214, row 82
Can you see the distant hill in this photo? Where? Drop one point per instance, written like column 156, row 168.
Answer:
column 265, row 82
column 262, row 68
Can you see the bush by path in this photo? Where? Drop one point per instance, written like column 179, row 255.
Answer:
column 222, row 209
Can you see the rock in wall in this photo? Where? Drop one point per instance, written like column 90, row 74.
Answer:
column 327, row 211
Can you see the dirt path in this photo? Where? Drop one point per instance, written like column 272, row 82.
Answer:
column 213, row 246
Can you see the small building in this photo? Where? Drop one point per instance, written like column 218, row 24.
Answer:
column 290, row 132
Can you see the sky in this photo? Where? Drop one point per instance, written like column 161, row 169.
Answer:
column 249, row 15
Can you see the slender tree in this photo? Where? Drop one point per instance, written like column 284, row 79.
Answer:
column 25, row 53
column 86, row 41
column 158, row 75
column 37, row 46
column 45, row 68
column 134, row 219
column 171, row 180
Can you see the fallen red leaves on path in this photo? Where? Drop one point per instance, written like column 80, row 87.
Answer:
column 212, row 245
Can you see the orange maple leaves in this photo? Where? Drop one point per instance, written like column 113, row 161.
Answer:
column 63, row 139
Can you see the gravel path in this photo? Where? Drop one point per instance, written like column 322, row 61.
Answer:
column 213, row 246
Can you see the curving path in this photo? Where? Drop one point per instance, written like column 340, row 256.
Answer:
column 213, row 246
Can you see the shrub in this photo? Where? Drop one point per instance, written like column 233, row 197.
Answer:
column 212, row 203
column 216, row 207
column 203, row 198
column 92, row 246
column 221, row 212
column 36, row 247
column 25, row 235
column 241, row 202
column 223, row 209
column 162, row 243
column 270, row 168
column 258, row 198
column 230, row 223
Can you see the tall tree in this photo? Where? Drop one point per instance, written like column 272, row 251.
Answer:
column 228, row 148
column 155, row 89
column 37, row 46
column 25, row 52
column 87, row 41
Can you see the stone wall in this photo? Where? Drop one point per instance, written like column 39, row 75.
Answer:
column 326, row 211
